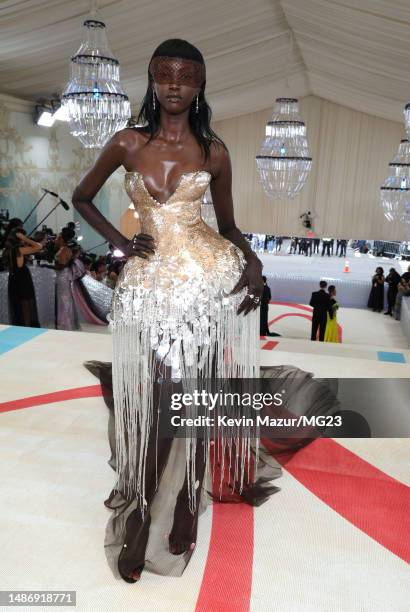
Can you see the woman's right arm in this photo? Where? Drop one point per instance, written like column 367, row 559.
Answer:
column 110, row 158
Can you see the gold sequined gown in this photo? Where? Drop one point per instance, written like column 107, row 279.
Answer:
column 171, row 313
column 173, row 317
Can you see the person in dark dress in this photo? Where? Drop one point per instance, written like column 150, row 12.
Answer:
column 22, row 299
column 322, row 305
column 392, row 279
column 266, row 297
column 376, row 297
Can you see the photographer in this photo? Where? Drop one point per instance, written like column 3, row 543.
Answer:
column 22, row 299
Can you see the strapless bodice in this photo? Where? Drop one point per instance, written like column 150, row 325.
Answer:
column 191, row 187
column 185, row 246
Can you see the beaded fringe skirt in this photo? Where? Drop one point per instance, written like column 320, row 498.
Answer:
column 191, row 337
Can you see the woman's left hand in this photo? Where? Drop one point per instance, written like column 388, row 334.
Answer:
column 252, row 278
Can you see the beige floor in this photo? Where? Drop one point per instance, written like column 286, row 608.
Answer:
column 360, row 327
column 55, row 476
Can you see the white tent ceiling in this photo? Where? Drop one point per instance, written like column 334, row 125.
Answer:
column 355, row 52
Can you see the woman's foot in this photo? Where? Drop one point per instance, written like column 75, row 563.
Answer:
column 133, row 576
column 183, row 534
column 129, row 575
column 132, row 556
column 129, row 570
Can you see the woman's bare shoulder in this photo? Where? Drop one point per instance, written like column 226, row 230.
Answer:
column 131, row 137
column 219, row 157
column 217, row 149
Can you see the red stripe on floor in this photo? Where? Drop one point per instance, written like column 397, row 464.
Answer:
column 227, row 580
column 364, row 495
column 290, row 314
column 228, row 554
column 304, row 316
column 298, row 306
column 270, row 345
column 50, row 398
column 368, row 498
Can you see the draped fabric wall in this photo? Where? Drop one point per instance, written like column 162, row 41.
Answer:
column 351, row 151
column 32, row 157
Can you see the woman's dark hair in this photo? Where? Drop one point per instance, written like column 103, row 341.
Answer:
column 331, row 288
column 87, row 261
column 199, row 122
column 115, row 266
column 11, row 239
column 67, row 234
column 379, row 270
column 98, row 262
column 11, row 243
column 14, row 224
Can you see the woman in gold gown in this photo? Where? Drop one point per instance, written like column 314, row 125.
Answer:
column 184, row 311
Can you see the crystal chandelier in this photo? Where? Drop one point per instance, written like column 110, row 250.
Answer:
column 407, row 119
column 284, row 161
column 96, row 104
column 395, row 191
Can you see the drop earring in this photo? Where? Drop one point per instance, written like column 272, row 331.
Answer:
column 153, row 99
column 197, row 104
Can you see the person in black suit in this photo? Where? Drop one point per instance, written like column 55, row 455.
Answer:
column 393, row 280
column 294, row 241
column 326, row 246
column 337, row 246
column 321, row 303
column 266, row 297
column 343, row 246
